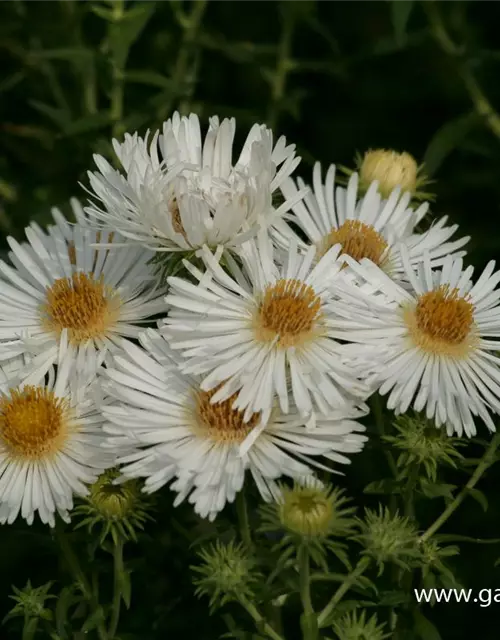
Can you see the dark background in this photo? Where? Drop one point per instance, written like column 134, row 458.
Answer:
column 335, row 78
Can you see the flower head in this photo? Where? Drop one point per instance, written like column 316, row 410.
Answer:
column 30, row 602
column 432, row 347
column 50, row 445
column 71, row 286
column 255, row 330
column 367, row 224
column 180, row 192
column 178, row 435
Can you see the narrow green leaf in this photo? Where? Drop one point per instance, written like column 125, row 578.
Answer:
column 93, row 122
column 59, row 116
column 123, row 33
column 93, row 620
column 479, row 497
column 400, row 14
column 385, row 486
column 65, row 600
column 69, row 54
column 446, row 140
column 125, row 586
column 424, row 627
column 148, row 77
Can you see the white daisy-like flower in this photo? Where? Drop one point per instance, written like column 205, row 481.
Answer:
column 433, row 347
column 50, row 444
column 179, row 191
column 366, row 226
column 185, row 439
column 63, row 289
column 262, row 328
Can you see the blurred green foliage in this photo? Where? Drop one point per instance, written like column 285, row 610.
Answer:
column 335, row 78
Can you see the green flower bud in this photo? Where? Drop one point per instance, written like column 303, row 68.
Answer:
column 30, row 602
column 119, row 510
column 388, row 538
column 354, row 626
column 226, row 573
column 422, row 443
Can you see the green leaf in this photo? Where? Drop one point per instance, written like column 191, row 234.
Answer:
column 451, row 537
column 124, row 32
column 65, row 600
column 446, row 140
column 424, row 627
column 59, row 116
column 436, row 490
column 69, row 54
column 93, row 122
column 148, row 77
column 93, row 620
column 386, row 486
column 479, row 497
column 125, row 587
column 400, row 14
column 309, row 625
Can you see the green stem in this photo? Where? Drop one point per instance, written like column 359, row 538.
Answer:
column 482, row 105
column 117, row 88
column 261, row 624
column 409, row 492
column 79, row 576
column 309, row 630
column 190, row 25
column 243, row 521
column 283, row 66
column 118, row 569
column 358, row 571
column 486, row 461
column 378, row 413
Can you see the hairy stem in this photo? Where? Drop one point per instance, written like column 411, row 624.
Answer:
column 117, row 587
column 350, row 579
column 261, row 624
column 486, row 461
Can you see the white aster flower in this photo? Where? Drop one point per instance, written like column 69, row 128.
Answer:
column 433, row 347
column 63, row 289
column 181, row 192
column 366, row 226
column 50, row 444
column 262, row 328
column 183, row 438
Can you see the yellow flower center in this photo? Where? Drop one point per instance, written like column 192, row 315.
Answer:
column 358, row 240
column 81, row 304
column 442, row 322
column 391, row 169
column 289, row 311
column 220, row 421
column 33, row 422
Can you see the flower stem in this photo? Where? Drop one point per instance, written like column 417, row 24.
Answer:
column 283, row 66
column 117, row 87
column 79, row 577
column 190, row 25
column 358, row 571
column 486, row 461
column 482, row 105
column 259, row 620
column 117, row 587
column 242, row 512
column 309, row 623
column 378, row 412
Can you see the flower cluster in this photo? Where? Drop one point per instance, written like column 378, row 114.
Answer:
column 257, row 358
